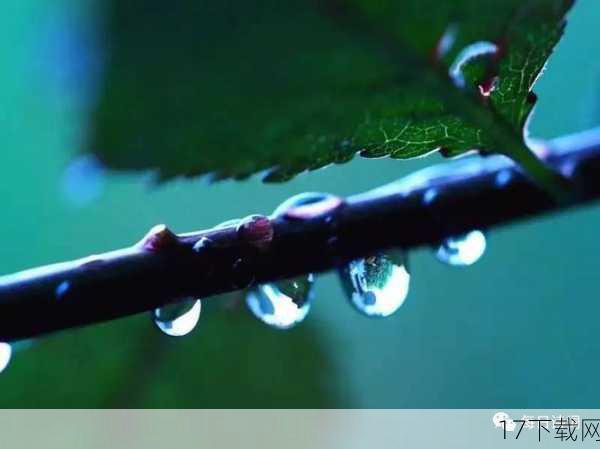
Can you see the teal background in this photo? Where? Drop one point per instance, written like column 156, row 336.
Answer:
column 518, row 329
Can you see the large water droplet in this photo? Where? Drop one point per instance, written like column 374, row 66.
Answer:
column 463, row 250
column 178, row 319
column 377, row 285
column 5, row 355
column 282, row 304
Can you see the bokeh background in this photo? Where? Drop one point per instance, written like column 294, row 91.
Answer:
column 518, row 329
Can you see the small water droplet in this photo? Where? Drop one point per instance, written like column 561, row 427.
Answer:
column 83, row 180
column 62, row 289
column 5, row 355
column 309, row 205
column 378, row 285
column 463, row 250
column 178, row 319
column 257, row 230
column 282, row 304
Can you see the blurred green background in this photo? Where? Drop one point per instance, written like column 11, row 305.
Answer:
column 518, row 329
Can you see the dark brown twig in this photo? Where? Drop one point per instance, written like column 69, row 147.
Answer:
column 423, row 209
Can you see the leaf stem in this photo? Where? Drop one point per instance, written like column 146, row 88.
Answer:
column 544, row 175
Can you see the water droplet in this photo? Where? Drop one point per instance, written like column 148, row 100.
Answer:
column 463, row 250
column 5, row 355
column 282, row 304
column 178, row 319
column 257, row 230
column 470, row 52
column 83, row 180
column 62, row 289
column 309, row 205
column 377, row 285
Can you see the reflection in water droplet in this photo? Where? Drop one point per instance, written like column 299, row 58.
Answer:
column 377, row 285
column 5, row 355
column 463, row 250
column 282, row 304
column 309, row 205
column 83, row 180
column 178, row 319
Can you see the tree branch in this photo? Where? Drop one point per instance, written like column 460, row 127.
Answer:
column 422, row 209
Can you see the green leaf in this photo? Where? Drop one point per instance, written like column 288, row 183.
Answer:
column 234, row 88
